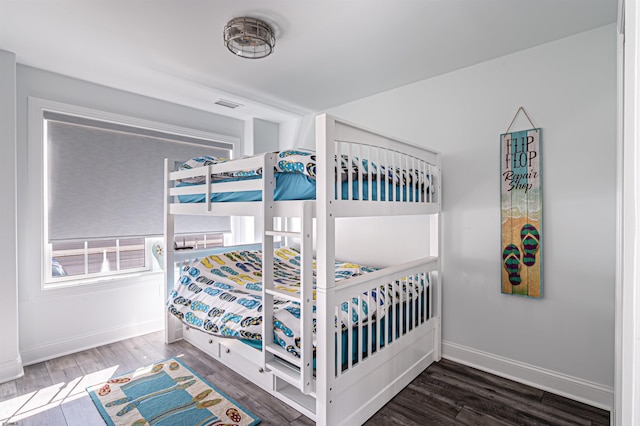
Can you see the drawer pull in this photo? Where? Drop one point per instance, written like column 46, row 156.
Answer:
column 227, row 350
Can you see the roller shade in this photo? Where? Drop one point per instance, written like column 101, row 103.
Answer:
column 106, row 180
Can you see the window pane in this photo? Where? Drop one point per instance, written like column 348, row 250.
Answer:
column 102, row 256
column 199, row 240
column 132, row 253
column 68, row 258
column 214, row 240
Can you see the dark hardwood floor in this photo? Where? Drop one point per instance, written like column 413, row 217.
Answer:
column 447, row 393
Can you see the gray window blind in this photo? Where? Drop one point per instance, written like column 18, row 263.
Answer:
column 107, row 180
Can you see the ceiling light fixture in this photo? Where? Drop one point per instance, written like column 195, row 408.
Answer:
column 249, row 38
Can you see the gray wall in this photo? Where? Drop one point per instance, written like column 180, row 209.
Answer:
column 265, row 136
column 53, row 322
column 565, row 341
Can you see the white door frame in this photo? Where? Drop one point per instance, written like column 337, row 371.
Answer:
column 626, row 411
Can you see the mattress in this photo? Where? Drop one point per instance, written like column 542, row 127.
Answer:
column 222, row 295
column 289, row 186
column 295, row 174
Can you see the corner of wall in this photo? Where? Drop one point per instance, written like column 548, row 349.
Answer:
column 10, row 361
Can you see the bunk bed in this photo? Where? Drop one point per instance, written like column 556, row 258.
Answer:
column 335, row 340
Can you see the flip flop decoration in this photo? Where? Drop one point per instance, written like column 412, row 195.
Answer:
column 530, row 244
column 511, row 258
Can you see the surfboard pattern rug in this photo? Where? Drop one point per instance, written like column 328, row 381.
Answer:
column 166, row 393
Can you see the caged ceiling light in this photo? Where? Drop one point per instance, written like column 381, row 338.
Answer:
column 249, row 38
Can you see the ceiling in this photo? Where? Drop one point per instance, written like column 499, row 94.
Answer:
column 328, row 52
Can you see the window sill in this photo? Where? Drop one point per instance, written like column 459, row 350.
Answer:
column 103, row 281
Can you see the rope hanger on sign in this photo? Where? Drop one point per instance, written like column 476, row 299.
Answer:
column 516, row 116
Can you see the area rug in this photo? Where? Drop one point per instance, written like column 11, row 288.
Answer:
column 167, row 393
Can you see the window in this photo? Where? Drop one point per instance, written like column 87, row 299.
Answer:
column 97, row 257
column 71, row 260
column 103, row 190
column 199, row 241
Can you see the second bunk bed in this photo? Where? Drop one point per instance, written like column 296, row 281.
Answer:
column 334, row 339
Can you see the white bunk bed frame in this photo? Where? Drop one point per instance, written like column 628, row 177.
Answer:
column 328, row 394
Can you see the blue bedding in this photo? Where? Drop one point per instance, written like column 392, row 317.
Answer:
column 296, row 186
column 295, row 174
column 289, row 186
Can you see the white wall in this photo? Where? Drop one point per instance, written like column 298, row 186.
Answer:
column 564, row 341
column 57, row 321
column 10, row 361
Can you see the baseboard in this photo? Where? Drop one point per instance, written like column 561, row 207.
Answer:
column 89, row 341
column 561, row 384
column 10, row 370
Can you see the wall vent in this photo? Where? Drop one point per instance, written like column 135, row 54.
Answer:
column 227, row 104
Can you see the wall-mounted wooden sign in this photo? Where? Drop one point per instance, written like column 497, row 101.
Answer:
column 521, row 198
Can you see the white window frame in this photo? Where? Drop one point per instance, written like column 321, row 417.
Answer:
column 38, row 185
column 50, row 280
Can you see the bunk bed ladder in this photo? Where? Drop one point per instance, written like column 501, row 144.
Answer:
column 297, row 371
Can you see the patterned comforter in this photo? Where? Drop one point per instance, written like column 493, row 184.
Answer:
column 222, row 295
column 303, row 161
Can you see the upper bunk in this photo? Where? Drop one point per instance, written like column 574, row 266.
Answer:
column 354, row 170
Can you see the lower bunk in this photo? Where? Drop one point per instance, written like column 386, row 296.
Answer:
column 384, row 330
column 355, row 397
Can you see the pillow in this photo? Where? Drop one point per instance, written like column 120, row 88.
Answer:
column 204, row 160
column 289, row 161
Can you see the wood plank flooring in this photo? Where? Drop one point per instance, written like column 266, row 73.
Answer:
column 447, row 393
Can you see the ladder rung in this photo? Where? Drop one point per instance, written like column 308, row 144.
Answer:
column 283, row 234
column 281, row 294
column 285, row 372
column 279, row 350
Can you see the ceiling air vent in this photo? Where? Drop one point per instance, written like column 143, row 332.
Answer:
column 227, row 104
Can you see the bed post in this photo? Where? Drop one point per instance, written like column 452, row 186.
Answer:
column 172, row 327
column 325, row 285
column 436, row 250
column 436, row 282
column 268, row 187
